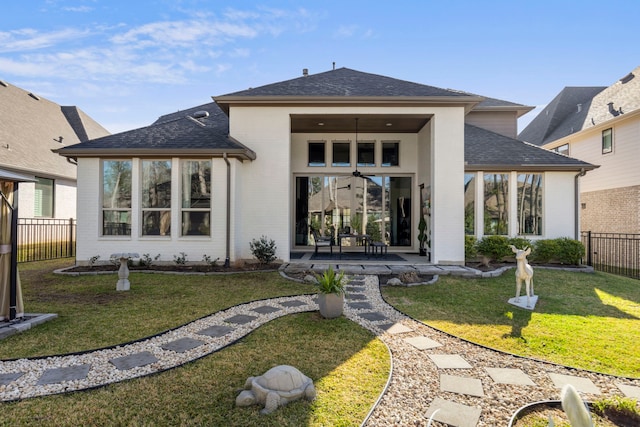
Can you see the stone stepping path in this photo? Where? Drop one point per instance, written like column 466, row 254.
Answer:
column 465, row 386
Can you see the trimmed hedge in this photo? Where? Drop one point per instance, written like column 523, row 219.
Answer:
column 563, row 250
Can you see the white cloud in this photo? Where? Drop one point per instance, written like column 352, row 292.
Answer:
column 30, row 39
column 80, row 9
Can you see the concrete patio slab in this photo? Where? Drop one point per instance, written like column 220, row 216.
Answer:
column 509, row 376
column 584, row 385
column 449, row 361
column 68, row 373
column 423, row 343
column 452, row 413
column 376, row 269
column 461, row 385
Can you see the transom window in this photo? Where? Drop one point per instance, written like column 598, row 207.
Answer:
column 116, row 197
column 316, row 153
column 563, row 149
column 341, row 154
column 390, row 153
column 366, row 153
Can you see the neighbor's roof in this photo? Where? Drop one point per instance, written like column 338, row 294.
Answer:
column 597, row 105
column 201, row 130
column 31, row 126
column 486, row 150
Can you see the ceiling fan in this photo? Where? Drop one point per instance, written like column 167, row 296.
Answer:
column 356, row 172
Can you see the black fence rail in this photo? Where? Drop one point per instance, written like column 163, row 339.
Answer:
column 42, row 239
column 615, row 253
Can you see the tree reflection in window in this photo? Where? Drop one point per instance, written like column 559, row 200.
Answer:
column 196, row 197
column 530, row 204
column 116, row 198
column 156, row 197
column 496, row 203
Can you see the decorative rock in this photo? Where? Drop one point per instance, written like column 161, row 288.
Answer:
column 394, row 282
column 310, row 279
column 278, row 386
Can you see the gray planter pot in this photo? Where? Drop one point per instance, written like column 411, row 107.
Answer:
column 331, row 305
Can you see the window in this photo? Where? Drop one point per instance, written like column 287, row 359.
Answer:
column 390, row 153
column 530, row 204
column 341, row 154
column 607, row 141
column 366, row 154
column 469, row 203
column 43, row 199
column 496, row 203
column 563, row 149
column 156, row 197
column 116, row 197
column 316, row 154
column 196, row 197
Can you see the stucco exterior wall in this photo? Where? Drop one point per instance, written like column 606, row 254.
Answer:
column 611, row 211
column 502, row 122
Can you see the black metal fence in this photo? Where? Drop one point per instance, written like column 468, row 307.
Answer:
column 615, row 253
column 42, row 238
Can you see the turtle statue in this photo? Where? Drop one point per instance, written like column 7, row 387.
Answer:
column 276, row 387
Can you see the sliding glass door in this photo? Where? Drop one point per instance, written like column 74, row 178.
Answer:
column 378, row 206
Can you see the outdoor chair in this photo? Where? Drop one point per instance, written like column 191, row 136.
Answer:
column 322, row 242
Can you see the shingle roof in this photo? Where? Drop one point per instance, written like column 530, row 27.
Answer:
column 184, row 132
column 345, row 82
column 562, row 117
column 31, row 126
column 486, row 150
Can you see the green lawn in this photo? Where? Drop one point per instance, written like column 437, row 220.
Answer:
column 588, row 321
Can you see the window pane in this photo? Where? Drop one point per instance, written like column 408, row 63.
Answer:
column 316, row 154
column 156, row 223
column 607, row 140
column 116, row 184
column 43, row 197
column 196, row 184
column 470, row 203
column 563, row 149
column 496, row 203
column 530, row 204
column 156, row 184
column 366, row 156
column 195, row 223
column 341, row 154
column 390, row 153
column 116, row 223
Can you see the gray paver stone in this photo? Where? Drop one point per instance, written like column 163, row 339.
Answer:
column 216, row 331
column 373, row 316
column 68, row 373
column 395, row 328
column 266, row 309
column 629, row 390
column 133, row 360
column 183, row 344
column 453, row 413
column 356, row 297
column 240, row 319
column 449, row 361
column 422, row 343
column 9, row 378
column 461, row 385
column 584, row 385
column 360, row 305
column 509, row 376
column 293, row 303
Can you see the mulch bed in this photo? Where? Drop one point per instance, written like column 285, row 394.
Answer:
column 198, row 268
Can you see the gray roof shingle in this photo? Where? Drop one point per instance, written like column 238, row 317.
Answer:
column 486, row 150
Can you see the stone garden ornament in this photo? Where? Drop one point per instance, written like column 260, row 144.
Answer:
column 276, row 387
column 524, row 273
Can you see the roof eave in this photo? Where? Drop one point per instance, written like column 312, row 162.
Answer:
column 530, row 168
column 240, row 153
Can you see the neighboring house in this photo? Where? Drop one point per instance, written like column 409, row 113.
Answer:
column 338, row 150
column 600, row 125
column 30, row 128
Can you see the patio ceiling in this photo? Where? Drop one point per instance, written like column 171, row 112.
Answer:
column 367, row 123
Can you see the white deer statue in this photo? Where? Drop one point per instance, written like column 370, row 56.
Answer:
column 524, row 273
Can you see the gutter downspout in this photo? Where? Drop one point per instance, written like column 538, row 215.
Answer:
column 227, row 263
column 577, row 198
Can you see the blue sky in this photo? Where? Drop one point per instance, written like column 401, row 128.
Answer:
column 127, row 62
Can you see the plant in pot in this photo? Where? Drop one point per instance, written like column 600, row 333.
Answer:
column 423, row 236
column 331, row 293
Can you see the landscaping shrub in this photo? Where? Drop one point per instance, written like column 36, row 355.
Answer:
column 569, row 251
column 470, row 251
column 494, row 247
column 264, row 249
column 520, row 242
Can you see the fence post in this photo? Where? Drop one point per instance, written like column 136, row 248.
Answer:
column 589, row 259
column 70, row 246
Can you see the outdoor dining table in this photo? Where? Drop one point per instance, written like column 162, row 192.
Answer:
column 361, row 238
